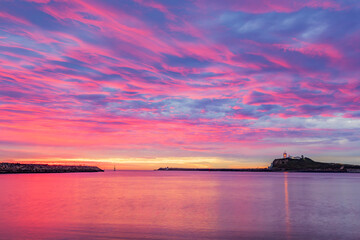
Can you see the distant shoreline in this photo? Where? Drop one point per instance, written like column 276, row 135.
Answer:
column 250, row 170
column 258, row 170
column 217, row 169
column 14, row 168
column 285, row 164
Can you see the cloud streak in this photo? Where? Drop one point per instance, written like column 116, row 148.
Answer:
column 167, row 79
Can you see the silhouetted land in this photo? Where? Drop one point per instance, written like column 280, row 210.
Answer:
column 289, row 164
column 44, row 168
column 306, row 164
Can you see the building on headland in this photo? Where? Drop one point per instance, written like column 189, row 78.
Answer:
column 285, row 155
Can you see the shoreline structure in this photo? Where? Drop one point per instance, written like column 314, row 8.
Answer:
column 44, row 168
column 285, row 164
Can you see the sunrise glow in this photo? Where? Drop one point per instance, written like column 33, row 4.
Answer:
column 146, row 84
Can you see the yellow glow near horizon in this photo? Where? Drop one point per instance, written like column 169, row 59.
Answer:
column 150, row 163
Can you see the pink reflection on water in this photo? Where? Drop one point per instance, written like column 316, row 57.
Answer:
column 287, row 210
column 178, row 205
column 60, row 201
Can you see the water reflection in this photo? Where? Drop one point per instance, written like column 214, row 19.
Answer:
column 287, row 208
column 179, row 205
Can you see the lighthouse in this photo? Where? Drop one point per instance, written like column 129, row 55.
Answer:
column 284, row 154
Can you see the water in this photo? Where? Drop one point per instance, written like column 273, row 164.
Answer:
column 180, row 205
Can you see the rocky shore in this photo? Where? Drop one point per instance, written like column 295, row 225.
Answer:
column 44, row 168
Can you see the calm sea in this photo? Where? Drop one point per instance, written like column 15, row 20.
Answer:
column 180, row 205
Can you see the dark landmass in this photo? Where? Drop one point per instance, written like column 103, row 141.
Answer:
column 305, row 164
column 288, row 164
column 44, row 168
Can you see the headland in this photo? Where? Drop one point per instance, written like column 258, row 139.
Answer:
column 305, row 164
column 44, row 168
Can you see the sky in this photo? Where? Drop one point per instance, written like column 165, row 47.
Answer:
column 197, row 83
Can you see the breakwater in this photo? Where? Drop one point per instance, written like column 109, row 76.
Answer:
column 44, row 168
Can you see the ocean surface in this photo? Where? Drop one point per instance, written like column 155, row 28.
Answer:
column 180, row 205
